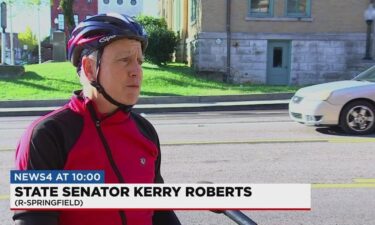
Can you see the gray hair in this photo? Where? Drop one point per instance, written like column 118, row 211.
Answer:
column 87, row 88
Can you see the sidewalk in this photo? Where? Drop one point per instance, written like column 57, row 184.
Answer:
column 163, row 104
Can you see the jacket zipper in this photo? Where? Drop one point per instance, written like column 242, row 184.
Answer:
column 109, row 155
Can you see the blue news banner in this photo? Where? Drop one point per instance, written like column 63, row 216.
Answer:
column 56, row 176
column 35, row 189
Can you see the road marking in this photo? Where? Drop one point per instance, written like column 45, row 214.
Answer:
column 271, row 141
column 364, row 180
column 4, row 197
column 260, row 141
column 353, row 140
column 357, row 183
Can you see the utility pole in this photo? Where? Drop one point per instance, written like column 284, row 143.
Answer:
column 3, row 26
column 11, row 34
column 37, row 4
column 369, row 16
column 39, row 44
column 227, row 75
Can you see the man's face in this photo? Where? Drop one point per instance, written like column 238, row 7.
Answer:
column 120, row 70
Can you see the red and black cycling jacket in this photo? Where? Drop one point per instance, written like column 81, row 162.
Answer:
column 76, row 137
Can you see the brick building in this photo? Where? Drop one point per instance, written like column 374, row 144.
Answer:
column 85, row 8
column 294, row 42
column 82, row 9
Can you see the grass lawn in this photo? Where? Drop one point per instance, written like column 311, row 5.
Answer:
column 58, row 80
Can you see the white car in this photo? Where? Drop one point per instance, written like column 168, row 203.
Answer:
column 349, row 104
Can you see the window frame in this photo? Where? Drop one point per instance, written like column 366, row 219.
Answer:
column 259, row 14
column 60, row 21
column 177, row 15
column 133, row 2
column 76, row 19
column 306, row 14
column 193, row 10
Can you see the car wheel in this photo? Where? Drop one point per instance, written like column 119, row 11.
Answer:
column 358, row 117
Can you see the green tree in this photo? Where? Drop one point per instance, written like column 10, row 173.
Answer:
column 28, row 38
column 67, row 8
column 148, row 21
column 161, row 41
column 65, row 5
column 37, row 4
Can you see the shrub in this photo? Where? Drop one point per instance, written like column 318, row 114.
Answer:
column 161, row 41
column 148, row 21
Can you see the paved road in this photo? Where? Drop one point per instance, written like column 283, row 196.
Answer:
column 251, row 147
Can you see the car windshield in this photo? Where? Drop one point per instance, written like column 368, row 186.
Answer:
column 367, row 75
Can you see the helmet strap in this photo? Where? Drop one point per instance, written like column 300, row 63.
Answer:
column 100, row 89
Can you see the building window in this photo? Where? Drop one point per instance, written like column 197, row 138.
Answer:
column 119, row 2
column 193, row 10
column 76, row 20
column 106, row 2
column 133, row 2
column 177, row 15
column 261, row 8
column 60, row 21
column 277, row 57
column 298, row 8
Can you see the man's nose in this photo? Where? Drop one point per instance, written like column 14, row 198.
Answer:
column 135, row 69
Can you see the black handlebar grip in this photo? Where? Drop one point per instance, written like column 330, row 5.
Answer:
column 239, row 217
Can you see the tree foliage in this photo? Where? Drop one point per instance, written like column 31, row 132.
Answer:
column 28, row 38
column 161, row 41
column 38, row 2
column 148, row 21
column 67, row 8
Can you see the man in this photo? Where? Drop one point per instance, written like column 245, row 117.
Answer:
column 97, row 130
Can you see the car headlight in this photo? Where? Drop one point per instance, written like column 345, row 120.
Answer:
column 322, row 96
column 296, row 99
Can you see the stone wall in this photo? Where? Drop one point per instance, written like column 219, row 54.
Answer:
column 315, row 58
column 324, row 60
column 249, row 61
column 8, row 71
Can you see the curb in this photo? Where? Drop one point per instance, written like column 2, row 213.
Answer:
column 276, row 106
column 163, row 104
column 156, row 100
column 42, row 111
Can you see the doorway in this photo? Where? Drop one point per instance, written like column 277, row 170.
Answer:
column 278, row 62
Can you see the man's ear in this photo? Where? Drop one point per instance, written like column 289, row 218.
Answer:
column 88, row 66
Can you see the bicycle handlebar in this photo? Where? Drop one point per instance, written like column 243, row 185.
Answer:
column 239, row 217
